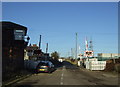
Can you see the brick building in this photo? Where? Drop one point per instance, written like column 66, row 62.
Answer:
column 13, row 45
column 34, row 53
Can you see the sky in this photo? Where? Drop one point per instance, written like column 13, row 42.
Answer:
column 58, row 22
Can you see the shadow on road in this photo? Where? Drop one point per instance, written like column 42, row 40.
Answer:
column 66, row 86
column 69, row 65
column 23, row 86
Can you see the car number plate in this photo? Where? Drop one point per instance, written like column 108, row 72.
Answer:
column 41, row 69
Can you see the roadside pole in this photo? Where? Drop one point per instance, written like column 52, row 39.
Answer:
column 46, row 51
column 76, row 47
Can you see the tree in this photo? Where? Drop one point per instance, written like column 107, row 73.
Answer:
column 55, row 55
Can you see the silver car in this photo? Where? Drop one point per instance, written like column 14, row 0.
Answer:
column 45, row 66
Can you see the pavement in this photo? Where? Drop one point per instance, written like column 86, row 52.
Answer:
column 17, row 78
column 71, row 75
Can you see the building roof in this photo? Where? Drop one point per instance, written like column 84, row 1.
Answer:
column 32, row 47
column 11, row 25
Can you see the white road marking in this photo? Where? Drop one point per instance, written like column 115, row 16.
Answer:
column 61, row 78
column 63, row 68
column 62, row 74
column 61, row 83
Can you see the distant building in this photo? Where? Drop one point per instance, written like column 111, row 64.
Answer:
column 33, row 52
column 32, row 47
column 26, row 57
column 109, row 55
column 80, row 56
column 13, row 45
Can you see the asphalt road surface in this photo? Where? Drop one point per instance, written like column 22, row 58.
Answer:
column 69, row 74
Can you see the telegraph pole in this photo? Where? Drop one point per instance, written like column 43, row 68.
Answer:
column 46, row 47
column 40, row 42
column 71, row 53
column 76, row 47
column 46, row 57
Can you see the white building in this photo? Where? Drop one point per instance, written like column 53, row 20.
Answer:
column 26, row 57
column 108, row 55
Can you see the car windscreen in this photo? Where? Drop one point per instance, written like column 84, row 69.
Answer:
column 43, row 64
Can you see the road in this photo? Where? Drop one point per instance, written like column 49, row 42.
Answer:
column 70, row 74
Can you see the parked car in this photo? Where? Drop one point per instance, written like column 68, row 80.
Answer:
column 45, row 66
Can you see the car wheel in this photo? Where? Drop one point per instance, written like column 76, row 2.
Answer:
column 36, row 71
column 49, row 72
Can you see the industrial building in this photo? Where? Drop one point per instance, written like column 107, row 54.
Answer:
column 108, row 55
column 33, row 52
column 13, row 44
